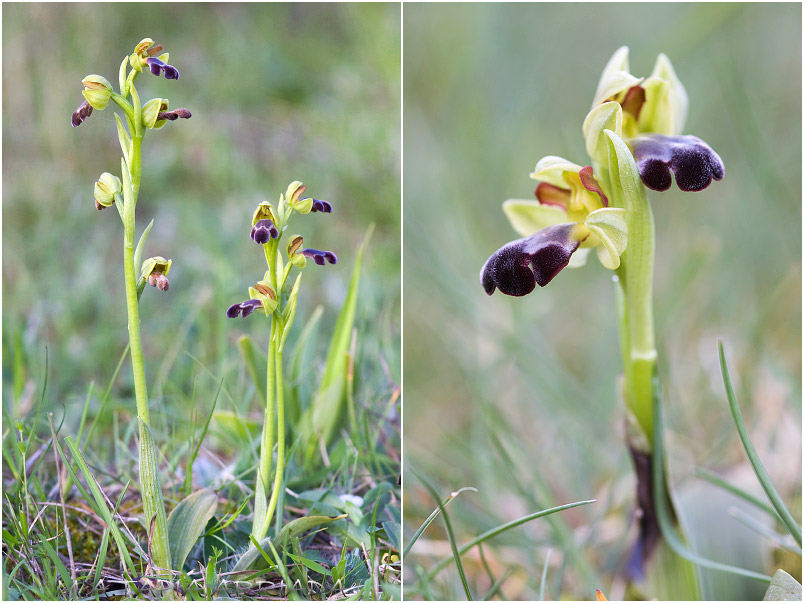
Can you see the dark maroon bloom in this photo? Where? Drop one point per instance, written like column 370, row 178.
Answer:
column 157, row 67
column 263, row 231
column 243, row 308
column 175, row 114
column 516, row 268
column 159, row 280
column 693, row 162
column 80, row 114
column 322, row 206
column 320, row 257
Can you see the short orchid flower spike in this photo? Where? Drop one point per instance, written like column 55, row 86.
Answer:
column 575, row 209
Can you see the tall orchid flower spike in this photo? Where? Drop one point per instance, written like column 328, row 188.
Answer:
column 133, row 123
column 633, row 136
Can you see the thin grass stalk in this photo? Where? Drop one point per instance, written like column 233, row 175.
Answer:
column 759, row 469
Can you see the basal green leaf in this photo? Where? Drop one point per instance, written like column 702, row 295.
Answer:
column 152, row 503
column 186, row 523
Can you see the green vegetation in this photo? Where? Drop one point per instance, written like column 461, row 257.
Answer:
column 277, row 92
column 518, row 398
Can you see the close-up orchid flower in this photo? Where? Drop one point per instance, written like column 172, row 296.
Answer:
column 646, row 116
column 633, row 135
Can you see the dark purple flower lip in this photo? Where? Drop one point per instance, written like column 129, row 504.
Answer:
column 158, row 67
column 322, row 206
column 159, row 280
column 694, row 163
column 80, row 114
column 263, row 231
column 320, row 257
column 243, row 308
column 175, row 114
column 516, row 268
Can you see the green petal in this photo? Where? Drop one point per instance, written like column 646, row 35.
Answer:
column 551, row 169
column 609, row 228
column 665, row 108
column 608, row 116
column 615, row 77
column 527, row 217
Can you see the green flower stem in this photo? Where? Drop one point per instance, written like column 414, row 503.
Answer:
column 274, row 405
column 280, row 438
column 132, row 306
column 635, row 284
column 149, row 478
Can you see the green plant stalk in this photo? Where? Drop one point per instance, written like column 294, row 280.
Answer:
column 280, row 440
column 132, row 304
column 132, row 176
column 274, row 405
column 635, row 292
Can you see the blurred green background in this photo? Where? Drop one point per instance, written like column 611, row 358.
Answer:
column 278, row 92
column 517, row 396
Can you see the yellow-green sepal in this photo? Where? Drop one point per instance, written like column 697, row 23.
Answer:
column 608, row 233
column 151, row 110
column 606, row 116
column 97, row 91
column 665, row 108
column 264, row 211
column 155, row 264
column 137, row 57
column 551, row 169
column 615, row 78
column 263, row 292
column 107, row 189
column 293, row 249
column 527, row 217
column 293, row 197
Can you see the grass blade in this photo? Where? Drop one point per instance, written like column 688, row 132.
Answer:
column 321, row 419
column 432, row 517
column 100, row 502
column 716, row 480
column 456, row 555
column 253, row 358
column 759, row 469
column 660, row 497
column 543, row 582
column 507, row 526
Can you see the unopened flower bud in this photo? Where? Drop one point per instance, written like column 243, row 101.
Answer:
column 107, row 186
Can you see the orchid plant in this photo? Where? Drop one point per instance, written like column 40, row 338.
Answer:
column 137, row 120
column 275, row 298
column 633, row 135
